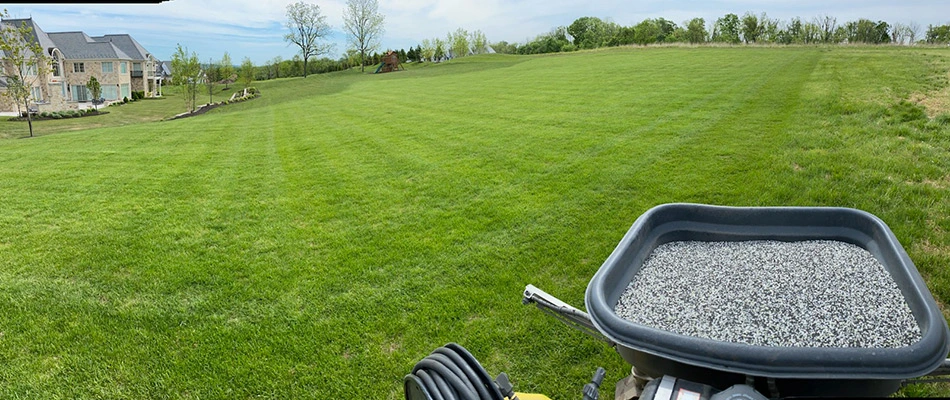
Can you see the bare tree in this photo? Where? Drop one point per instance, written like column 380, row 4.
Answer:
column 211, row 78
column 23, row 63
column 827, row 24
column 364, row 26
column 307, row 27
column 898, row 33
column 913, row 30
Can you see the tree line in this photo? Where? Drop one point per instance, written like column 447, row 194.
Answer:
column 363, row 25
column 750, row 28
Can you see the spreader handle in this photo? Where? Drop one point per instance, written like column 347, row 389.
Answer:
column 565, row 312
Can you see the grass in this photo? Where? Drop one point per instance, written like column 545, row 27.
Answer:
column 318, row 241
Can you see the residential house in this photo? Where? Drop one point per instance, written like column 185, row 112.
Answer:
column 119, row 63
column 48, row 82
column 143, row 64
column 84, row 57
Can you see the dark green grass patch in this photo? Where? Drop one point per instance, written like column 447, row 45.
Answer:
column 318, row 241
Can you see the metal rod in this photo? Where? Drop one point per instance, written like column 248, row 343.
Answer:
column 943, row 369
column 565, row 312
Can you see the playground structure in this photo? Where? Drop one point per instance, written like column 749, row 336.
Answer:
column 390, row 63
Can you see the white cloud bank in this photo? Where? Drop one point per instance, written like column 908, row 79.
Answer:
column 254, row 28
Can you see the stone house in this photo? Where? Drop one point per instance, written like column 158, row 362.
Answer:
column 119, row 63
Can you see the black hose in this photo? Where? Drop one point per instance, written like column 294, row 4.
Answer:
column 450, row 373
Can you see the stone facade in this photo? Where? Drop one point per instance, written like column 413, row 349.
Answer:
column 116, row 79
column 77, row 57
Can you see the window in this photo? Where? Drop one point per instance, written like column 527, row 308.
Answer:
column 55, row 69
column 107, row 67
column 80, row 93
column 122, row 67
column 30, row 69
column 79, row 67
column 125, row 90
column 110, row 92
column 37, row 94
column 136, row 66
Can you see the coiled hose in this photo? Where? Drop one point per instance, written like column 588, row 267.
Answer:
column 452, row 373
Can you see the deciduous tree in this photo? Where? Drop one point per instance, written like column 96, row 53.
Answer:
column 726, row 29
column 427, row 50
column 828, row 26
column 307, row 29
column 696, row 31
column 227, row 70
column 95, row 89
column 479, row 42
column 592, row 32
column 247, row 72
column 458, row 43
column 439, row 52
column 939, row 34
column 364, row 26
column 751, row 30
column 275, row 63
column 211, row 78
column 24, row 62
column 186, row 73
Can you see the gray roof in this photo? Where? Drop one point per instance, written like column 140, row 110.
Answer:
column 38, row 35
column 166, row 68
column 127, row 44
column 79, row 46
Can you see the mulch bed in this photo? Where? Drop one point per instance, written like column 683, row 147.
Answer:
column 39, row 118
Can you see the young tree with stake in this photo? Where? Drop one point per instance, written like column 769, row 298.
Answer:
column 211, row 79
column 226, row 70
column 95, row 89
column 247, row 72
column 187, row 72
column 24, row 62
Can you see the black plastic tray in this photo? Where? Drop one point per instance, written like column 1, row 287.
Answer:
column 802, row 370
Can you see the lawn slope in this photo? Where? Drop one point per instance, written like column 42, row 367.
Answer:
column 318, row 241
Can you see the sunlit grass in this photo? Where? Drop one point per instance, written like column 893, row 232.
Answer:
column 318, row 241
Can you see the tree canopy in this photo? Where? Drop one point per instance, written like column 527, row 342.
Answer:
column 307, row 29
column 25, row 62
column 364, row 26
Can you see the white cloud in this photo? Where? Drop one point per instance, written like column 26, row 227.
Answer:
column 255, row 27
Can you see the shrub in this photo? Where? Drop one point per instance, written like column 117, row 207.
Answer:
column 44, row 114
column 138, row 95
column 56, row 115
column 125, row 100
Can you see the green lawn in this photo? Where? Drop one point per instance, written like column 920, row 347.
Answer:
column 318, row 241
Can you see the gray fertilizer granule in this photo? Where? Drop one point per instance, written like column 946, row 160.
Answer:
column 817, row 293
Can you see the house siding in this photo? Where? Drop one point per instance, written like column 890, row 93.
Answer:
column 57, row 91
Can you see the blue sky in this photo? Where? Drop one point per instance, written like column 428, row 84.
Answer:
column 254, row 28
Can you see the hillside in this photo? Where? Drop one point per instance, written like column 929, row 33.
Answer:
column 318, row 241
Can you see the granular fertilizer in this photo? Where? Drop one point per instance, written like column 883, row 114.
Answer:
column 817, row 293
